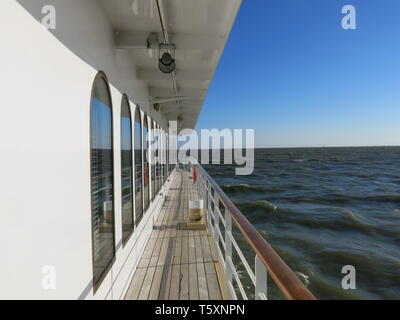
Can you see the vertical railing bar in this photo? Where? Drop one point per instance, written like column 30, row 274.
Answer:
column 221, row 217
column 244, row 260
column 228, row 254
column 216, row 222
column 221, row 237
column 238, row 281
column 209, row 209
column 220, row 256
column 232, row 290
column 262, row 296
column 261, row 279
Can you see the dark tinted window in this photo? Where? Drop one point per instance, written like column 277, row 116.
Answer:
column 159, row 155
column 138, row 167
column 126, row 170
column 153, row 165
column 165, row 159
column 146, row 194
column 102, row 179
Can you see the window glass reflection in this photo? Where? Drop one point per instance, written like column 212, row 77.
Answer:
column 138, row 167
column 146, row 182
column 126, row 170
column 102, row 177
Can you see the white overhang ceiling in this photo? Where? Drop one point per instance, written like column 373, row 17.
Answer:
column 198, row 28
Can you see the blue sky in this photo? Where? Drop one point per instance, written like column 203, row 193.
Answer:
column 292, row 73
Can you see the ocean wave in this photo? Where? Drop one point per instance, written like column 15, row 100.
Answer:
column 336, row 219
column 330, row 218
column 254, row 205
column 245, row 187
column 314, row 200
column 304, row 278
column 339, row 219
column 355, row 220
column 336, row 198
column 363, row 257
column 376, row 197
column 384, row 197
column 297, row 186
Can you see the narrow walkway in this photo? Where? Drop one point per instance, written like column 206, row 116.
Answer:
column 177, row 263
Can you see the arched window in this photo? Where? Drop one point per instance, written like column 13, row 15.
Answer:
column 159, row 163
column 165, row 163
column 126, row 170
column 102, row 179
column 165, row 159
column 167, row 146
column 138, row 167
column 153, row 165
column 146, row 193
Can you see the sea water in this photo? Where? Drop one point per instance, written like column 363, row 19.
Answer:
column 322, row 209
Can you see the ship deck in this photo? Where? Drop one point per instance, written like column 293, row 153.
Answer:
column 177, row 263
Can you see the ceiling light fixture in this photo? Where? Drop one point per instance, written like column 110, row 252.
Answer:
column 166, row 58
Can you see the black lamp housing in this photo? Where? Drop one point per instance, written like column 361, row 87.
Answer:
column 166, row 58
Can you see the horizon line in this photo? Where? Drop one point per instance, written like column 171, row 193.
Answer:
column 376, row 146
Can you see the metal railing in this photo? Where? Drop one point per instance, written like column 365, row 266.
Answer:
column 106, row 181
column 220, row 210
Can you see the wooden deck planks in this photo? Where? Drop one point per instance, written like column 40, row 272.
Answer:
column 177, row 263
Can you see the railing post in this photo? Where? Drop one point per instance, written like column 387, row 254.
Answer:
column 228, row 254
column 261, row 280
column 209, row 207
column 205, row 191
column 209, row 196
column 203, row 188
column 216, row 224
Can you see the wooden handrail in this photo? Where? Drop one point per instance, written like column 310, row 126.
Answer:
column 289, row 284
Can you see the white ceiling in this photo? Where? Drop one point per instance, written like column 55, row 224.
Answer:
column 199, row 28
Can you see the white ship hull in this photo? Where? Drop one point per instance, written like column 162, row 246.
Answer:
column 46, row 81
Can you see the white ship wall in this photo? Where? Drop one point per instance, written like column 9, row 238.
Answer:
column 45, row 150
